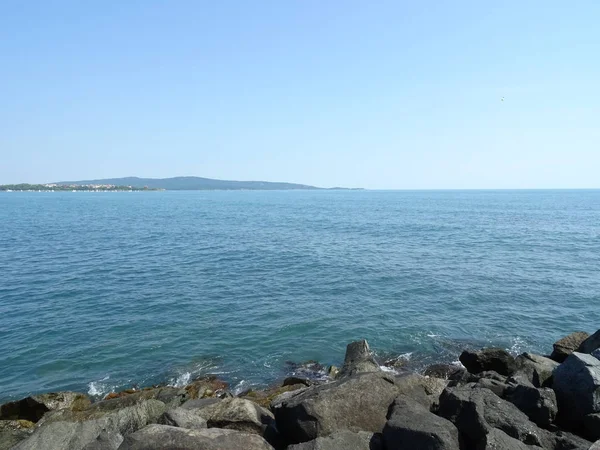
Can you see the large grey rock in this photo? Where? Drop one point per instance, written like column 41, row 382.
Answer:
column 165, row 437
column 567, row 345
column 539, row 404
column 34, row 407
column 538, row 369
column 183, row 418
column 14, row 431
column 499, row 440
column 358, row 403
column 105, row 441
column 358, row 359
column 590, row 344
column 591, row 425
column 412, row 426
column 475, row 412
column 346, row 440
column 562, row 440
column 68, row 430
column 577, row 387
column 496, row 359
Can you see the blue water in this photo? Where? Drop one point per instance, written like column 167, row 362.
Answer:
column 101, row 291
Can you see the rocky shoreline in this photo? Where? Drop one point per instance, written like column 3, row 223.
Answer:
column 494, row 401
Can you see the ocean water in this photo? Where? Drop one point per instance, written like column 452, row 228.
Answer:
column 103, row 291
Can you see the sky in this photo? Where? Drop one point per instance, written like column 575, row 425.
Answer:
column 381, row 95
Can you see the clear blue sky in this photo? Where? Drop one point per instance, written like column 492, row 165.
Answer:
column 383, row 94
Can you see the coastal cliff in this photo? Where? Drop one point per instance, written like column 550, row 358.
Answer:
column 493, row 400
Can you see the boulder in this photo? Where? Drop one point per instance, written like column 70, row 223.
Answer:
column 358, row 403
column 577, row 387
column 236, row 414
column 591, row 425
column 538, row 369
column 165, row 437
column 344, row 439
column 264, row 397
column 105, row 441
column 358, row 359
column 73, row 430
column 293, row 381
column 539, row 404
column 496, row 359
column 590, row 344
column 443, row 371
column 34, row 407
column 567, row 345
column 475, row 412
column 497, row 387
column 562, row 440
column 206, row 387
column 172, row 397
column 183, row 418
column 411, row 425
column 499, row 440
column 14, row 431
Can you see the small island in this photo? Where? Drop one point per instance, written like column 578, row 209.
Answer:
column 53, row 187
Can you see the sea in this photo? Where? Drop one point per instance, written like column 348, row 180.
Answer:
column 106, row 291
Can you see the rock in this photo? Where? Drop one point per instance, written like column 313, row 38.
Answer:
column 577, row 387
column 165, row 437
column 265, row 397
column 172, row 397
column 475, row 412
column 344, row 439
column 333, row 371
column 236, row 414
column 292, row 381
column 358, row 359
column 206, row 387
column 34, row 407
column 538, row 369
column 561, row 440
column 14, row 431
column 443, row 371
column 539, row 404
column 358, row 403
column 495, row 359
column 412, row 426
column 73, row 430
column 591, row 425
column 567, row 345
column 595, row 446
column 105, row 441
column 590, row 344
column 497, row 387
column 183, row 418
column 200, row 403
column 499, row 440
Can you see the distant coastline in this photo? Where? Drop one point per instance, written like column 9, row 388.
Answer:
column 54, row 187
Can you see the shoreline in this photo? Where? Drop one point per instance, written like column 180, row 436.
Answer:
column 492, row 400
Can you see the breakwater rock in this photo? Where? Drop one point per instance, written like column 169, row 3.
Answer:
column 494, row 402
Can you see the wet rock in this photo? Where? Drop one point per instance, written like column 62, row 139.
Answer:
column 358, row 359
column 292, row 381
column 590, row 344
column 443, row 371
column 475, row 412
column 538, row 369
column 344, row 439
column 333, row 371
column 170, row 396
column 164, row 437
column 358, row 403
column 499, row 440
column 494, row 359
column 14, row 431
column 34, row 407
column 577, row 387
column 567, row 345
column 264, row 397
column 412, row 426
column 539, row 404
column 206, row 387
column 183, row 418
column 591, row 426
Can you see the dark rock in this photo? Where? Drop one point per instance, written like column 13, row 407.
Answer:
column 496, row 359
column 358, row 403
column 591, row 425
column 539, row 404
column 590, row 344
column 499, row 440
column 476, row 411
column 538, row 369
column 562, row 440
column 567, row 345
column 164, row 437
column 577, row 387
column 183, row 418
column 358, row 359
column 497, row 387
column 412, row 426
column 292, row 381
column 14, row 431
column 346, row 440
column 34, row 407
column 443, row 371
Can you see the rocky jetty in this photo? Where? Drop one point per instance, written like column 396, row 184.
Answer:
column 495, row 401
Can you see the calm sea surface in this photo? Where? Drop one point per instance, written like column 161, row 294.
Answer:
column 101, row 291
